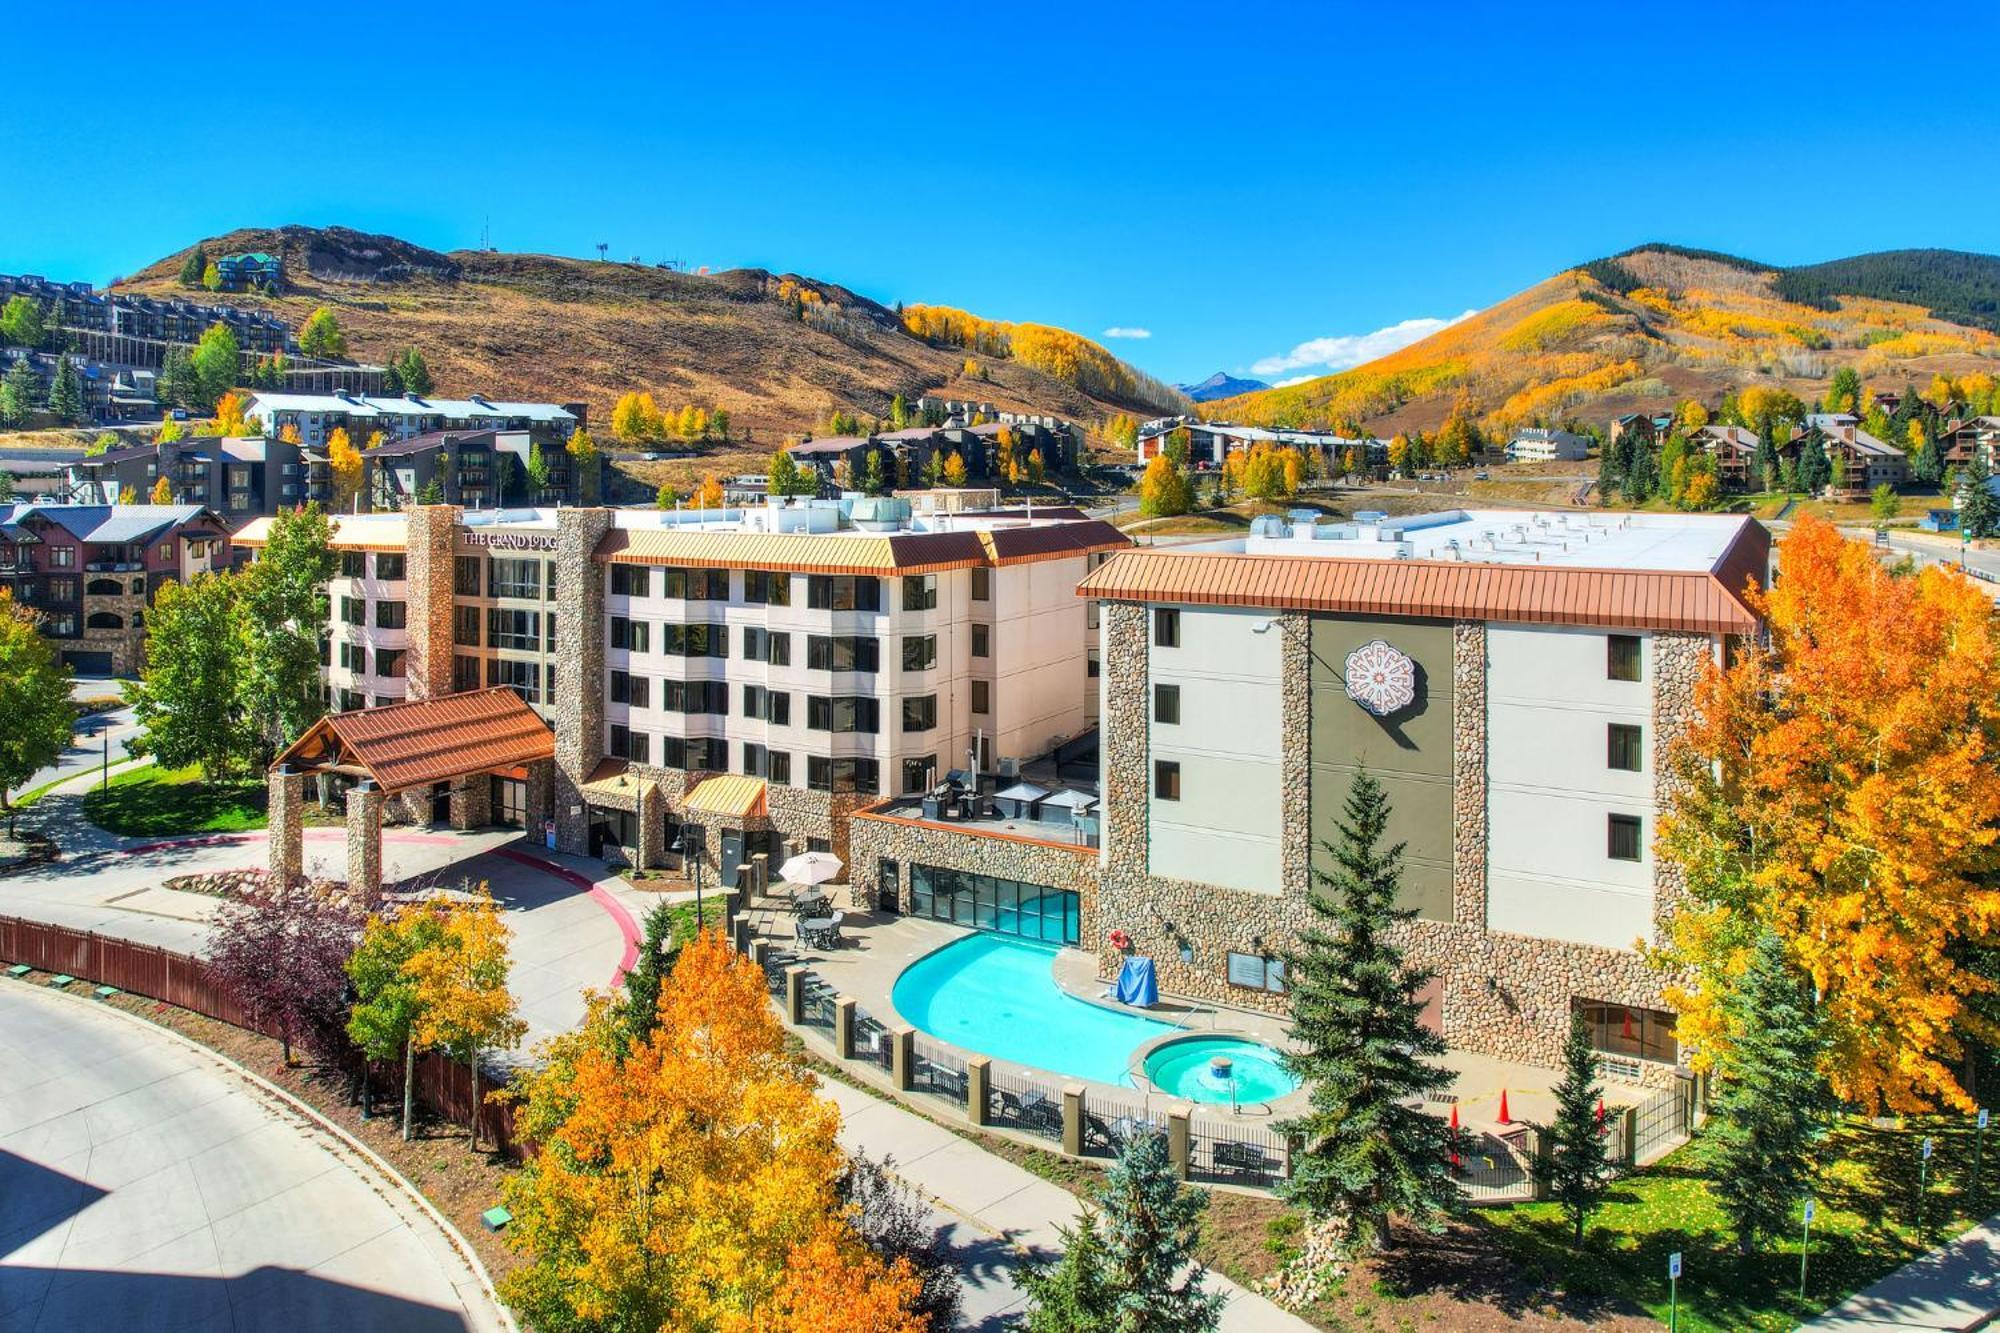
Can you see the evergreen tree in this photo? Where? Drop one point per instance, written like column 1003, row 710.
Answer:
column 1815, row 470
column 21, row 323
column 392, row 381
column 1844, row 395
column 1976, row 505
column 1775, row 1103
column 1121, row 1271
column 1364, row 1049
column 1575, row 1171
column 642, row 983
column 538, row 471
column 217, row 363
column 873, row 480
column 431, row 493
column 415, row 374
column 1768, row 463
column 1643, row 478
column 66, row 392
column 934, row 469
column 194, row 266
column 20, row 391
column 786, row 477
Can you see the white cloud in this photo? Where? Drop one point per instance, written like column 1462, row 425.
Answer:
column 1342, row 351
column 1119, row 331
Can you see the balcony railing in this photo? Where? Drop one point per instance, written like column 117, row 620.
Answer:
column 113, row 566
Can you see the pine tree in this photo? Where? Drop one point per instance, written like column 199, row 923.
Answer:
column 642, row 983
column 1575, row 1170
column 20, row 388
column 1976, row 505
column 1364, row 1049
column 415, row 374
column 1815, row 470
column 194, row 266
column 873, row 480
column 66, row 392
column 1121, row 1271
column 1775, row 1103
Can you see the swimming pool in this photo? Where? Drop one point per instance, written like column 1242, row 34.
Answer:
column 997, row 995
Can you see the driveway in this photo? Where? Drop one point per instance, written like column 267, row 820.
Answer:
column 147, row 1184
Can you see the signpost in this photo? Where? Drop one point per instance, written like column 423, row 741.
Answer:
column 1978, row 1144
column 1805, row 1249
column 1673, row 1291
column 1923, row 1188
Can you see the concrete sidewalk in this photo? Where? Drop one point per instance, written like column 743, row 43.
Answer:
column 1954, row 1287
column 1011, row 1205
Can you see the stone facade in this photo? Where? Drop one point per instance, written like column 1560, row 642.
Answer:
column 579, row 692
column 472, row 802
column 364, row 842
column 432, row 536
column 873, row 837
column 1499, row 994
column 288, row 794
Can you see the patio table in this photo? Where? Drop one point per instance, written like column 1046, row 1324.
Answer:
column 815, row 927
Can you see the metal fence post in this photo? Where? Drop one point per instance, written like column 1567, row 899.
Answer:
column 795, row 994
column 978, row 1073
column 1072, row 1124
column 843, row 1027
column 1544, row 1153
column 1178, row 1141
column 903, row 1058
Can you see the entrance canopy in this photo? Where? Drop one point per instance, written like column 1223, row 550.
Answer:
column 737, row 797
column 425, row 741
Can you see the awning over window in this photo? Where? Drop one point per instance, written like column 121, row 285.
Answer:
column 738, row 797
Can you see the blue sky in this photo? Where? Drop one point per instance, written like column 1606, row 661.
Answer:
column 1251, row 185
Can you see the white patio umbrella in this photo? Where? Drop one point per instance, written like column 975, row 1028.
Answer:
column 810, row 868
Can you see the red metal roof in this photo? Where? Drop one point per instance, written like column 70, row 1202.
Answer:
column 1706, row 601
column 424, row 741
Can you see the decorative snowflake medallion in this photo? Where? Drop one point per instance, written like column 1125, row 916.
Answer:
column 1380, row 679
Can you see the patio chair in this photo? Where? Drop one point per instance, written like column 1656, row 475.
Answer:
column 833, row 940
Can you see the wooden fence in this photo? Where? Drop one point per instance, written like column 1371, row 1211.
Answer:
column 443, row 1085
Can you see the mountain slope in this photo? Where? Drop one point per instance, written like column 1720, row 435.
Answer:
column 1643, row 330
column 777, row 350
column 1220, row 385
column 1953, row 285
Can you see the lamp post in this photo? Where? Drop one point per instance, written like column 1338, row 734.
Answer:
column 680, row 848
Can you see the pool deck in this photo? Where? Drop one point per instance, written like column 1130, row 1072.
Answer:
column 878, row 946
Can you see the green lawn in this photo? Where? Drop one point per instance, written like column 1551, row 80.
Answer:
column 1865, row 1227
column 151, row 802
column 682, row 915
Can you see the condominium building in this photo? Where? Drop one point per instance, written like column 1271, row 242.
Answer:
column 315, row 416
column 239, row 477
column 1514, row 682
column 814, row 655
column 91, row 571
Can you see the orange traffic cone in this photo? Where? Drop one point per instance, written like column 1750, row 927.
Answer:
column 1505, row 1119
column 1454, row 1136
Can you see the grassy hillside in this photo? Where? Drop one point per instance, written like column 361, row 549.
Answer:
column 778, row 351
column 1645, row 329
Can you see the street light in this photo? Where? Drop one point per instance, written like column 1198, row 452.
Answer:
column 680, row 849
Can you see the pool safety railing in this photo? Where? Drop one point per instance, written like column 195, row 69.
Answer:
column 1090, row 1121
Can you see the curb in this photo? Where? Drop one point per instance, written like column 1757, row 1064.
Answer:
column 627, row 927
column 389, row 1173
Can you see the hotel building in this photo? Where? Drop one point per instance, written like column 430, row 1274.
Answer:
column 752, row 676
column 1514, row 681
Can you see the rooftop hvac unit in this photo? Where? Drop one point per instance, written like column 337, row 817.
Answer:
column 1010, row 768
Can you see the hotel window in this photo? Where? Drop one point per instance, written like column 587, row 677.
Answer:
column 465, row 575
column 1623, row 1029
column 753, row 701
column 388, row 566
column 1621, row 657
column 465, row 673
column 920, row 592
column 920, row 713
column 1623, row 838
column 982, row 697
column 753, row 759
column 774, row 648
column 353, row 657
column 1167, row 704
column 857, row 775
column 1622, row 740
column 1166, row 780
column 843, row 713
column 631, row 581
column 352, row 611
column 839, row 592
column 697, row 585
column 629, row 744
column 508, row 577
column 982, row 584
column 694, row 640
column 919, row 652
column 982, row 641
column 62, row 557
column 778, row 768
column 632, row 635
column 1166, row 628
column 520, row 631
column 695, row 696
column 627, row 688
column 391, row 615
column 389, row 661
column 465, row 626
column 761, row 587
column 842, row 652
column 353, row 565
column 525, row 677
column 919, row 774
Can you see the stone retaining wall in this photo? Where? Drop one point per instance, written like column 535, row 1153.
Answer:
column 873, row 837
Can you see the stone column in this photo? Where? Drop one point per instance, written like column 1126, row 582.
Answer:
column 579, row 698
column 1678, row 660
column 652, row 848
column 541, row 783
column 364, row 842
column 472, row 801
column 1295, row 757
column 430, row 538
column 1127, row 778
column 288, row 792
column 1468, row 773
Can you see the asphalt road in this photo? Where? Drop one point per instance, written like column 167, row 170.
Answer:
column 146, row 1184
column 87, row 747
